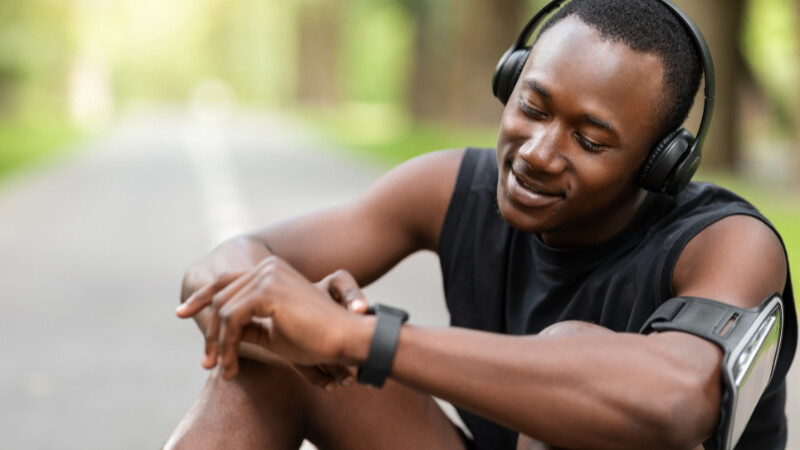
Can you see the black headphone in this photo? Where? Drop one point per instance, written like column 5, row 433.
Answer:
column 674, row 159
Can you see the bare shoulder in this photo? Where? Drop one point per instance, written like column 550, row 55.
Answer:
column 425, row 174
column 738, row 259
column 416, row 194
column 399, row 214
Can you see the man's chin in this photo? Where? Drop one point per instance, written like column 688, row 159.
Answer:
column 521, row 220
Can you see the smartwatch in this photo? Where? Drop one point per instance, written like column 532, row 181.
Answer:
column 384, row 344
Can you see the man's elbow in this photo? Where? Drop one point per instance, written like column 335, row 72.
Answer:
column 691, row 411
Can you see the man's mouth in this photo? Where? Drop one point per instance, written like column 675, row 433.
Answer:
column 531, row 194
column 537, row 188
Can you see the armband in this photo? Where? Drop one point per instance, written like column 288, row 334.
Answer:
column 378, row 365
column 750, row 340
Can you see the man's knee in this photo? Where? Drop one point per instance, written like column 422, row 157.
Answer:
column 262, row 407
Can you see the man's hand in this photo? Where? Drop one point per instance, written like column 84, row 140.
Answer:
column 246, row 305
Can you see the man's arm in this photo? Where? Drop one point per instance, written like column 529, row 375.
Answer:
column 615, row 390
column 400, row 214
column 575, row 390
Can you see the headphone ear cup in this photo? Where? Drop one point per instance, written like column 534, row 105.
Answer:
column 685, row 171
column 507, row 73
column 663, row 159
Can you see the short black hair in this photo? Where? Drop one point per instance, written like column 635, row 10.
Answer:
column 647, row 26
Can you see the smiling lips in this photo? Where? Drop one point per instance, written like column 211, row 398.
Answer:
column 529, row 194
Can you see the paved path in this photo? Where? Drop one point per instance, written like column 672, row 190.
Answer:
column 92, row 250
column 91, row 256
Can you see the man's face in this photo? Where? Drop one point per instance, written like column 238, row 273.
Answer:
column 573, row 135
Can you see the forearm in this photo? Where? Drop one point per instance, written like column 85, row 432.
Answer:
column 596, row 391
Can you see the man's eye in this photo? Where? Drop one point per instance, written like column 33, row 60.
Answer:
column 531, row 111
column 589, row 145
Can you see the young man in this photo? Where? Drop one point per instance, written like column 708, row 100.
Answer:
column 546, row 298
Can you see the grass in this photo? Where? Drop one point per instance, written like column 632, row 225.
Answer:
column 25, row 142
column 392, row 140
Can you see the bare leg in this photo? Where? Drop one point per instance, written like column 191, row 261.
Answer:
column 269, row 407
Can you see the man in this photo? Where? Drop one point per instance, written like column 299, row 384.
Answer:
column 545, row 298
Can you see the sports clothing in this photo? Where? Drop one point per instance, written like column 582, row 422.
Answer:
column 503, row 280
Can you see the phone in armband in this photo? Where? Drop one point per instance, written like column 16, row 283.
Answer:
column 750, row 340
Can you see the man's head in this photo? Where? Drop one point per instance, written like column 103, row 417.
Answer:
column 594, row 96
column 647, row 26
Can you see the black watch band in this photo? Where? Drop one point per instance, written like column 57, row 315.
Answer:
column 384, row 344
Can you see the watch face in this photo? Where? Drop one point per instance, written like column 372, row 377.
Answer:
column 752, row 366
column 380, row 308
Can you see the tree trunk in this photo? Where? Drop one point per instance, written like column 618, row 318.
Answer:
column 721, row 23
column 486, row 29
column 432, row 55
column 458, row 45
column 318, row 52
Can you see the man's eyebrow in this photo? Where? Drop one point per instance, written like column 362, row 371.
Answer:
column 537, row 87
column 600, row 123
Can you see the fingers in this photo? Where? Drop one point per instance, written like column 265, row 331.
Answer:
column 343, row 287
column 257, row 294
column 234, row 317
column 219, row 300
column 203, row 296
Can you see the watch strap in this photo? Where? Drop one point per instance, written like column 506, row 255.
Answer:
column 378, row 365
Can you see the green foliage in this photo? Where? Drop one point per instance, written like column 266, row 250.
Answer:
column 771, row 45
column 26, row 142
column 377, row 54
column 34, row 47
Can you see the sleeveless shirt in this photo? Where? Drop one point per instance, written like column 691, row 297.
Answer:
column 499, row 279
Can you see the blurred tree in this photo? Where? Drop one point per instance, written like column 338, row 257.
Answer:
column 721, row 22
column 34, row 48
column 457, row 47
column 376, row 51
column 796, row 90
column 318, row 48
column 771, row 45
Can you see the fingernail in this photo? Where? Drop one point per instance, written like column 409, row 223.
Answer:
column 180, row 307
column 347, row 381
column 358, row 305
column 330, row 386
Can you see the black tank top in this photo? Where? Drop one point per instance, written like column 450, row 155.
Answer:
column 499, row 279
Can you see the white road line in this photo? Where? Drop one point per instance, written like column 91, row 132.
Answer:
column 219, row 190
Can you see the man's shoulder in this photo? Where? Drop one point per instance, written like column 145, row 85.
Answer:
column 414, row 196
column 701, row 204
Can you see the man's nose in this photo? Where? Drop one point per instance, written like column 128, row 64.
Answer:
column 543, row 152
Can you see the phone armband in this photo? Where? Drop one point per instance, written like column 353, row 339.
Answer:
column 750, row 340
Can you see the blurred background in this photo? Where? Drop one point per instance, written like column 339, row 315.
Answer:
column 205, row 102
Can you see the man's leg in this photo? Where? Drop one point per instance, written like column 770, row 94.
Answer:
column 270, row 407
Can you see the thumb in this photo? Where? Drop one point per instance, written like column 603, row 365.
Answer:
column 343, row 287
